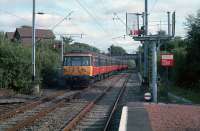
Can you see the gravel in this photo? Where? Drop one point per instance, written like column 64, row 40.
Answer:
column 172, row 117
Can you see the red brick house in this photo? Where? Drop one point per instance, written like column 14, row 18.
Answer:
column 24, row 35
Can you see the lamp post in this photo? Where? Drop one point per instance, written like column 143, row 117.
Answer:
column 33, row 43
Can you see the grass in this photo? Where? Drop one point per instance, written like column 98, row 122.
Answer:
column 192, row 95
column 162, row 94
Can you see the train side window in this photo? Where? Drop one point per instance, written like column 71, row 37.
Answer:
column 92, row 61
column 102, row 61
column 67, row 61
column 99, row 61
column 85, row 61
column 96, row 61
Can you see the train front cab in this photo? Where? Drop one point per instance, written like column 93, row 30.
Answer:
column 77, row 69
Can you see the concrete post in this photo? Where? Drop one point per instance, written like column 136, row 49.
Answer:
column 33, row 42
column 146, row 44
column 169, row 25
column 62, row 49
column 154, row 71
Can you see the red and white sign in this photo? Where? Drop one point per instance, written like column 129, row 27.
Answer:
column 135, row 32
column 167, row 60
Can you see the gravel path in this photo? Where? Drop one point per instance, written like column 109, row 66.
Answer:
column 172, row 117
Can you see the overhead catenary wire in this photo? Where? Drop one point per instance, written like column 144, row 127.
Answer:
column 154, row 5
column 103, row 4
column 113, row 39
column 53, row 27
column 94, row 18
column 91, row 15
column 115, row 14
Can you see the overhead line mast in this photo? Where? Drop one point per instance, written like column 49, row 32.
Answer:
column 145, row 75
column 153, row 40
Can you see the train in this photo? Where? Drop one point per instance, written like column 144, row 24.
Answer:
column 82, row 67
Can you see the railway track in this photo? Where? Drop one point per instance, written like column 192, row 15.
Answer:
column 9, row 107
column 52, row 112
column 28, row 106
column 98, row 113
column 132, row 93
column 31, row 112
column 56, row 120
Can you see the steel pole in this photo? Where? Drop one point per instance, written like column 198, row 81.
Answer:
column 143, row 19
column 33, row 42
column 127, row 25
column 154, row 71
column 140, row 60
column 62, row 49
column 146, row 17
column 169, row 25
column 146, row 44
column 138, row 28
column 145, row 61
column 138, row 22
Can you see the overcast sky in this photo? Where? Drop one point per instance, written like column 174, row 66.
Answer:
column 94, row 18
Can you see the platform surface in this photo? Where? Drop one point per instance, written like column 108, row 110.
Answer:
column 160, row 117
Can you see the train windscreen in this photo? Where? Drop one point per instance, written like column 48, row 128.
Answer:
column 76, row 61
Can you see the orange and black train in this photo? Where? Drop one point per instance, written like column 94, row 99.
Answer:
column 82, row 67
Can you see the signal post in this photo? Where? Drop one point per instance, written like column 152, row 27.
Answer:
column 153, row 40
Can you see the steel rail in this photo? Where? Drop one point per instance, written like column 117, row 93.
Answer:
column 116, row 103
column 30, row 120
column 86, row 109
column 28, row 106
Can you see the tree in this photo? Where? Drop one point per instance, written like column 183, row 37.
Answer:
column 161, row 32
column 177, row 42
column 82, row 47
column 186, row 71
column 67, row 40
column 15, row 67
column 116, row 50
column 15, row 64
column 193, row 49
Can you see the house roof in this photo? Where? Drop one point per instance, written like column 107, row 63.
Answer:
column 40, row 33
column 9, row 35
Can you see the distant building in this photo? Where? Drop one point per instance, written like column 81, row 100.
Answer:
column 9, row 35
column 24, row 35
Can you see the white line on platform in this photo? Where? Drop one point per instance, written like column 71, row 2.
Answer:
column 124, row 119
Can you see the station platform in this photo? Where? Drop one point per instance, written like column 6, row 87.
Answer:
column 138, row 116
column 134, row 117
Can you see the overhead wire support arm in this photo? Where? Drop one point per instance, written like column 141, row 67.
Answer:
column 61, row 20
column 92, row 16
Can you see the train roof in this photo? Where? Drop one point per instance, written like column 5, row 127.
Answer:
column 78, row 53
column 82, row 53
column 87, row 53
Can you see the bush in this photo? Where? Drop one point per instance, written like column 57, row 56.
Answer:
column 15, row 67
column 48, row 61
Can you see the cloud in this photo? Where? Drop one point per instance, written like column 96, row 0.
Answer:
column 99, row 29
